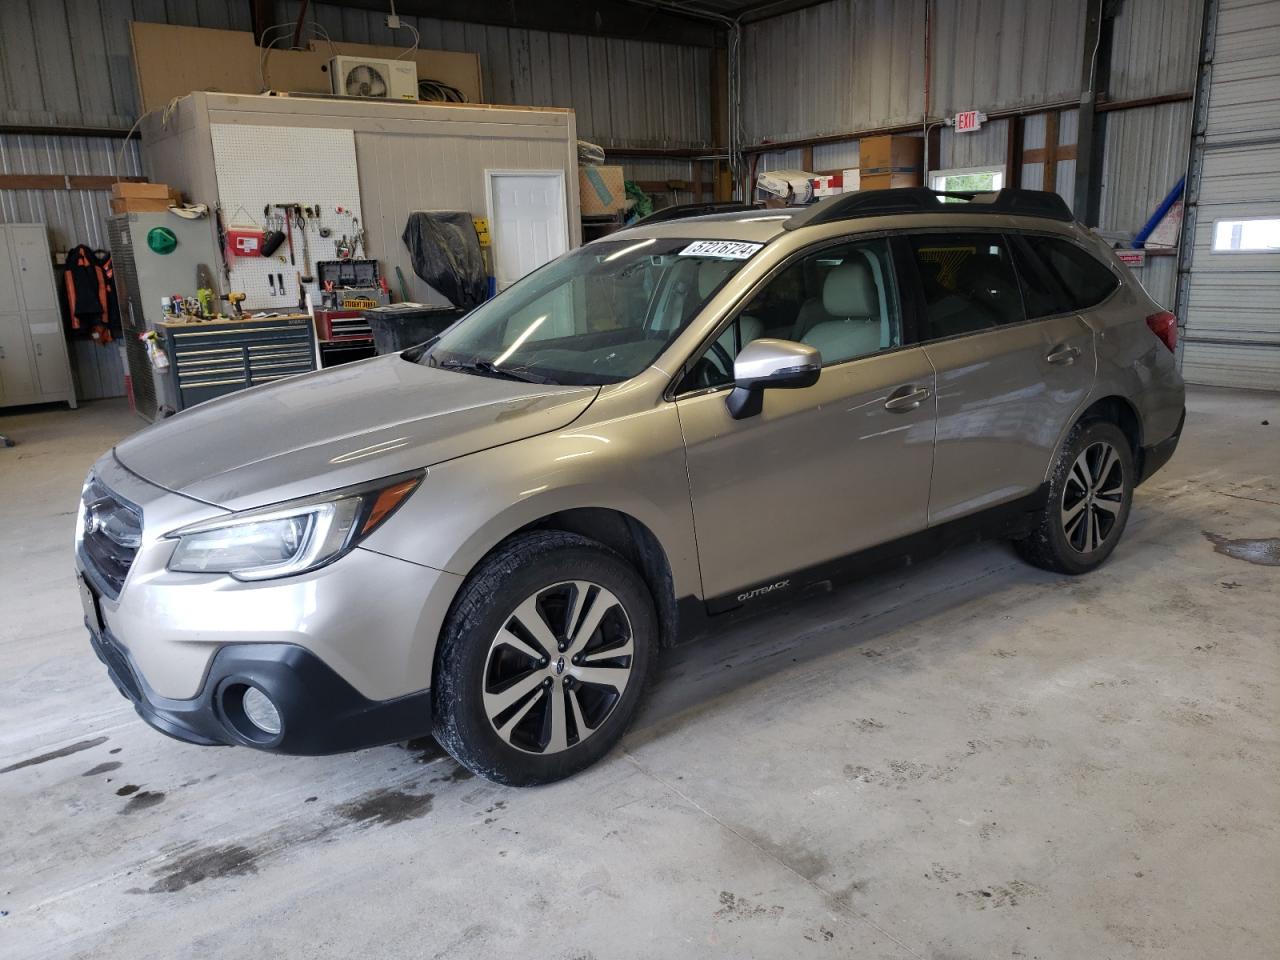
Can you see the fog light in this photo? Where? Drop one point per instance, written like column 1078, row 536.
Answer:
column 260, row 711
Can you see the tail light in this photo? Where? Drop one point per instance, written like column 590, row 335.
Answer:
column 1165, row 326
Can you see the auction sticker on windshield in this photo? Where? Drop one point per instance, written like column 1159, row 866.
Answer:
column 725, row 249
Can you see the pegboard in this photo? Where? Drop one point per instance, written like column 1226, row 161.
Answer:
column 311, row 166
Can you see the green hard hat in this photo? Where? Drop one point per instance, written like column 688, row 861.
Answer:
column 161, row 240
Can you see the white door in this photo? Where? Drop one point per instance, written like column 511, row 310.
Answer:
column 528, row 221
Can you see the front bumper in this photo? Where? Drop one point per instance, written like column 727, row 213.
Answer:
column 319, row 712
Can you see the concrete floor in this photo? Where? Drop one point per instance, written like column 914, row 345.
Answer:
column 972, row 759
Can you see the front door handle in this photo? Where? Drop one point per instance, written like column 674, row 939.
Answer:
column 1063, row 355
column 906, row 398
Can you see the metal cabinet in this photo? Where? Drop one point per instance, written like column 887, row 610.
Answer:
column 212, row 358
column 34, row 365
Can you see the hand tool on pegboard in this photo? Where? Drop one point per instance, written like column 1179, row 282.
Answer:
column 222, row 244
column 287, row 210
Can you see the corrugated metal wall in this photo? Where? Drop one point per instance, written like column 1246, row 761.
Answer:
column 1160, row 135
column 849, row 64
column 1154, row 48
column 858, row 64
column 69, row 62
column 73, row 216
column 624, row 92
column 995, row 54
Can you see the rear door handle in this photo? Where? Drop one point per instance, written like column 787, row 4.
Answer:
column 906, row 398
column 1063, row 355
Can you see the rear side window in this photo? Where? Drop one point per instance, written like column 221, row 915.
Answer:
column 1086, row 281
column 968, row 281
column 1041, row 291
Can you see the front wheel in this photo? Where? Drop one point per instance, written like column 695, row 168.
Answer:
column 543, row 659
column 1090, row 494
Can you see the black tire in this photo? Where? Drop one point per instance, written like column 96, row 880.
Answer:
column 464, row 670
column 1062, row 545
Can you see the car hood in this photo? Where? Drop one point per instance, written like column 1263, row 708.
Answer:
column 341, row 426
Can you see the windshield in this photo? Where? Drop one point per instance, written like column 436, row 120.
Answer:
column 600, row 314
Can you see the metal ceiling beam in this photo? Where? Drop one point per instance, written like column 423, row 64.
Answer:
column 598, row 18
column 754, row 12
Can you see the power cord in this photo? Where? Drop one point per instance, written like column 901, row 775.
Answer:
column 429, row 89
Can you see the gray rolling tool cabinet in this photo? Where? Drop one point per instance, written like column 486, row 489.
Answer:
column 211, row 358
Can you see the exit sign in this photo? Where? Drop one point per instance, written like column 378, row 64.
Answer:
column 969, row 120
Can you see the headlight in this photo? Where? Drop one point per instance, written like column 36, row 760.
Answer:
column 289, row 538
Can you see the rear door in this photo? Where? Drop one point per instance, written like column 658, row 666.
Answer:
column 1009, row 379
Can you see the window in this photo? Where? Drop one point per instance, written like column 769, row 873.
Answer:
column 600, row 314
column 968, row 283
column 1260, row 235
column 1086, row 280
column 968, row 179
column 841, row 300
column 1041, row 292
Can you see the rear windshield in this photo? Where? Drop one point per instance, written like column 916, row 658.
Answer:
column 600, row 314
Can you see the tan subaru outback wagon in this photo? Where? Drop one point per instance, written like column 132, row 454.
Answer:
column 492, row 536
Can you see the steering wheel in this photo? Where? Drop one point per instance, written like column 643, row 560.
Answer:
column 713, row 369
column 722, row 355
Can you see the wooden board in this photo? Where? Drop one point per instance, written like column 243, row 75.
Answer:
column 172, row 61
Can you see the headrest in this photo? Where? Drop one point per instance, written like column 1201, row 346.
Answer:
column 850, row 291
column 711, row 274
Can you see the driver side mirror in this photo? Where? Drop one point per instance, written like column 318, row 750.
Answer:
column 769, row 364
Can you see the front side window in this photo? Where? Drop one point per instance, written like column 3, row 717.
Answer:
column 1086, row 280
column 841, row 300
column 600, row 314
column 968, row 283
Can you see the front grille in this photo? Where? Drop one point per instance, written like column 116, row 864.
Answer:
column 112, row 534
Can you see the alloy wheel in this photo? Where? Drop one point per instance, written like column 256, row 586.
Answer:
column 1092, row 497
column 558, row 667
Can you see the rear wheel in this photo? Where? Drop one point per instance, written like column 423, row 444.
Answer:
column 543, row 659
column 1090, row 494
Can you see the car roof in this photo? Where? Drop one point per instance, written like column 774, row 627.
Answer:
column 758, row 226
column 870, row 211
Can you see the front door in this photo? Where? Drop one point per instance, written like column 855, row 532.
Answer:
column 823, row 471
column 1007, row 387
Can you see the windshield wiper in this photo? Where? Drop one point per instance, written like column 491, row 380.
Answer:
column 488, row 368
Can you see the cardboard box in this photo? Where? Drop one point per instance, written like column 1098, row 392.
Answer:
column 888, row 181
column 155, row 191
column 898, row 157
column 146, row 204
column 601, row 190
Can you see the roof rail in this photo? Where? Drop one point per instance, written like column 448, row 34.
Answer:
column 882, row 203
column 684, row 210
